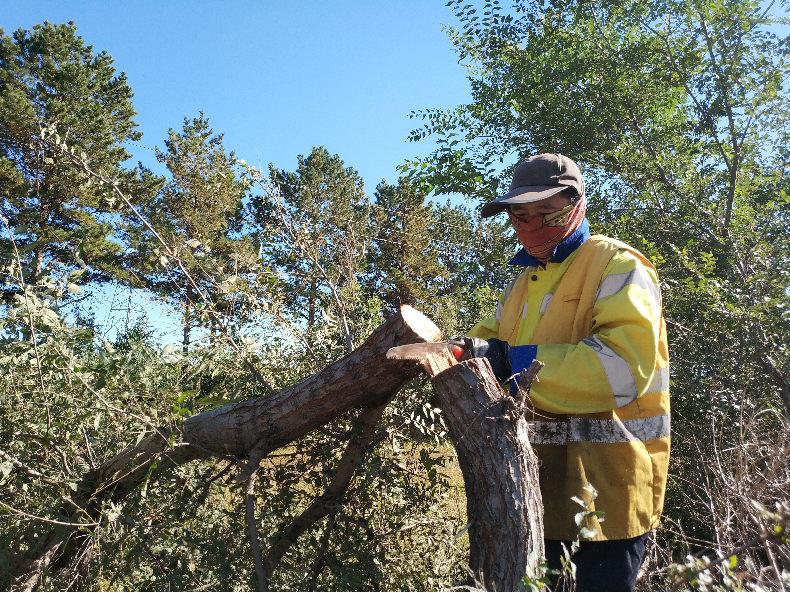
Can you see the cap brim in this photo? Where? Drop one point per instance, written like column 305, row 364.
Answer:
column 520, row 195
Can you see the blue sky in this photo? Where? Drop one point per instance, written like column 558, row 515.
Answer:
column 276, row 77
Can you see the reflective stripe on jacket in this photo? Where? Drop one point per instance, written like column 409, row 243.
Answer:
column 602, row 401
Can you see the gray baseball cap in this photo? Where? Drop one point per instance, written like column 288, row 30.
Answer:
column 537, row 178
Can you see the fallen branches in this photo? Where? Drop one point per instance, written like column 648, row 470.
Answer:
column 323, row 505
column 363, row 378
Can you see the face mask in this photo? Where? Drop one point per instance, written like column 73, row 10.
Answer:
column 541, row 234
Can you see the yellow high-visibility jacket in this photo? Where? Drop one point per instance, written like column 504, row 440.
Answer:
column 601, row 406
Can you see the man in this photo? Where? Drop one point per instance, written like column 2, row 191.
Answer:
column 590, row 309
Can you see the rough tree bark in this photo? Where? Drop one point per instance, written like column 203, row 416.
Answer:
column 503, row 502
column 249, row 430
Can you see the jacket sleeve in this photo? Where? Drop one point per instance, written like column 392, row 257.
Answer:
column 614, row 365
column 488, row 328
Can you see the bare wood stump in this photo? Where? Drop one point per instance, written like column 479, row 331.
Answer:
column 504, row 506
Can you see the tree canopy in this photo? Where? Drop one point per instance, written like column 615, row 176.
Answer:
column 198, row 213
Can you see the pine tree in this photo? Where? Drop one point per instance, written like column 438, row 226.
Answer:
column 474, row 253
column 317, row 230
column 50, row 79
column 405, row 265
column 197, row 213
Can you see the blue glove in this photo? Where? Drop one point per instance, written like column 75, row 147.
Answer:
column 495, row 350
column 520, row 358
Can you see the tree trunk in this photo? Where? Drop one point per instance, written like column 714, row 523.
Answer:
column 252, row 429
column 503, row 503
column 311, row 306
column 781, row 381
column 38, row 267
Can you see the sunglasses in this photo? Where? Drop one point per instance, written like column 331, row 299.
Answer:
column 558, row 218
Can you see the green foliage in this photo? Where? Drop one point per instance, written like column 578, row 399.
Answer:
column 405, row 262
column 203, row 198
column 732, row 571
column 314, row 228
column 675, row 111
column 184, row 526
column 538, row 578
column 440, row 258
column 66, row 408
column 474, row 253
column 67, row 405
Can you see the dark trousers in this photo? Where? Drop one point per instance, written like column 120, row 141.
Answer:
column 601, row 566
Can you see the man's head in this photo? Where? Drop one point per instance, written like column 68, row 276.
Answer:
column 545, row 203
column 537, row 180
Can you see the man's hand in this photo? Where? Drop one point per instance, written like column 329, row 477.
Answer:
column 496, row 350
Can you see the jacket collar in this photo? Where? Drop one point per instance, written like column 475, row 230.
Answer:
column 561, row 252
